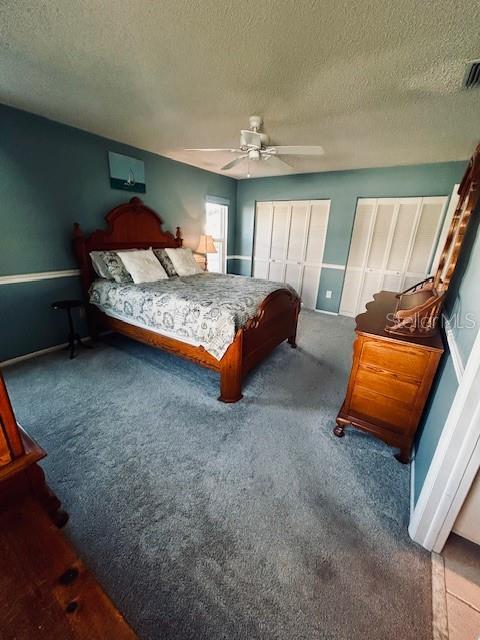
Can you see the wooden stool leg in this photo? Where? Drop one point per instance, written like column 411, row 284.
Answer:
column 71, row 334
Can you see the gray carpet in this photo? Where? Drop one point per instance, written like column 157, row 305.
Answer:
column 246, row 521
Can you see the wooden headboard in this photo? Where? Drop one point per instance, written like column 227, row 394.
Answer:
column 131, row 225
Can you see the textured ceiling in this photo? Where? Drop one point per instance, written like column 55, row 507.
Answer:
column 376, row 83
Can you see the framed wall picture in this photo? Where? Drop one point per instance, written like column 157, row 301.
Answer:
column 126, row 173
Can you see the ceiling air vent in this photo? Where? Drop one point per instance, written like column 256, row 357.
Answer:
column 472, row 75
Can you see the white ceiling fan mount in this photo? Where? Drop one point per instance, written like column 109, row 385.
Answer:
column 255, row 147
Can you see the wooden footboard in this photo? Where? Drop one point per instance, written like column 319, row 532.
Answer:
column 275, row 322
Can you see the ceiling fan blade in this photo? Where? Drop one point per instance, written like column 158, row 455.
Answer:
column 277, row 161
column 299, row 150
column 229, row 150
column 233, row 163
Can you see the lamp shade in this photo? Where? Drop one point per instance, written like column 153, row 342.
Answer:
column 206, row 245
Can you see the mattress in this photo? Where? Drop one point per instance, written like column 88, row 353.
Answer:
column 204, row 309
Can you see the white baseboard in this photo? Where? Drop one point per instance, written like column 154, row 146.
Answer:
column 34, row 354
column 328, row 313
column 43, row 352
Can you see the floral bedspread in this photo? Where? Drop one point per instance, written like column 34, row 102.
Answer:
column 207, row 308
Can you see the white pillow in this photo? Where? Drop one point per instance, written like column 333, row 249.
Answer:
column 142, row 265
column 183, row 262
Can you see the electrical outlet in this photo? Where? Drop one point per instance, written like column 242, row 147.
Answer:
column 328, row 294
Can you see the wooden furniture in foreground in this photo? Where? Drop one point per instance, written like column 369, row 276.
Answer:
column 20, row 474
column 418, row 309
column 134, row 225
column 390, row 379
column 45, row 590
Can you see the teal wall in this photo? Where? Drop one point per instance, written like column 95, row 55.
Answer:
column 52, row 175
column 440, row 401
column 343, row 188
column 239, row 267
column 463, row 309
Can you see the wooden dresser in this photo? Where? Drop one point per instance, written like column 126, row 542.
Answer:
column 390, row 379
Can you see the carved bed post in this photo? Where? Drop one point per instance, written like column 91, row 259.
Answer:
column 231, row 371
column 178, row 237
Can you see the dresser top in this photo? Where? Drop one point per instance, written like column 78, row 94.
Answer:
column 373, row 322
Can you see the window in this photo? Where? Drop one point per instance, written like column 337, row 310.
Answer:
column 216, row 226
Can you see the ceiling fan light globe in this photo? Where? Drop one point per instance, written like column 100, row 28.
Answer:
column 255, row 122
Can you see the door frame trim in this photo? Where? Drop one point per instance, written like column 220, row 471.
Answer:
column 455, row 463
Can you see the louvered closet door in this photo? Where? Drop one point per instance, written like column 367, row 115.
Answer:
column 263, row 238
column 289, row 244
column 429, row 221
column 315, row 245
column 299, row 220
column 392, row 247
column 278, row 248
column 357, row 256
column 377, row 255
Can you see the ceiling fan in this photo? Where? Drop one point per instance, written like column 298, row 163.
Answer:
column 255, row 147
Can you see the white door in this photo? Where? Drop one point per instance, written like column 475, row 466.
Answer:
column 216, row 221
column 289, row 244
column 392, row 247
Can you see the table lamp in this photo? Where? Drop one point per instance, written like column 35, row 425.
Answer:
column 206, row 246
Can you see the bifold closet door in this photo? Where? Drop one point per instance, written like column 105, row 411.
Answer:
column 294, row 259
column 392, row 247
column 263, row 238
column 289, row 244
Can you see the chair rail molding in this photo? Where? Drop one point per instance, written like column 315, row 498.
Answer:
column 39, row 275
column 338, row 267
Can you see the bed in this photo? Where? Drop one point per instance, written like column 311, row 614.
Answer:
column 263, row 314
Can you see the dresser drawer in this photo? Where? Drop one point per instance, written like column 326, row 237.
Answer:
column 387, row 384
column 394, row 414
column 403, row 360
